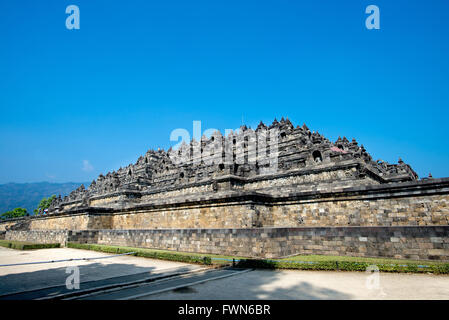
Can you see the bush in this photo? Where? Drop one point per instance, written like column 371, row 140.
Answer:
column 341, row 266
column 146, row 253
column 19, row 245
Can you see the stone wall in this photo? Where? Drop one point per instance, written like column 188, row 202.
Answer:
column 394, row 242
column 404, row 211
column 103, row 201
column 245, row 210
column 237, row 215
column 429, row 242
column 413, row 204
column 83, row 236
column 38, row 236
column 299, row 182
column 177, row 192
column 6, row 224
column 52, row 236
column 325, row 211
column 66, row 222
column 78, row 221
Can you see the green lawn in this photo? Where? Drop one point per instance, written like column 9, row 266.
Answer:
column 361, row 259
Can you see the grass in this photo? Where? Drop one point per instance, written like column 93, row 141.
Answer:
column 318, row 258
column 188, row 257
column 22, row 245
column 300, row 262
column 338, row 265
column 347, row 263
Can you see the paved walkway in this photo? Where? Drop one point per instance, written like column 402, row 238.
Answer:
column 36, row 276
column 290, row 284
column 165, row 285
column 257, row 284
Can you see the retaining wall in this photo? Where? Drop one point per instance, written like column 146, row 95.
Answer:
column 419, row 203
column 412, row 242
column 38, row 236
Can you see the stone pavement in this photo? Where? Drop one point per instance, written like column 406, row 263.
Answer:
column 257, row 284
column 36, row 276
column 315, row 285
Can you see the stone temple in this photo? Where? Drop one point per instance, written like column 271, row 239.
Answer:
column 270, row 192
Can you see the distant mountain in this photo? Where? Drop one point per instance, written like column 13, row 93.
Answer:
column 28, row 195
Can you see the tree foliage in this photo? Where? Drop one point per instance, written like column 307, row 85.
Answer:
column 44, row 204
column 16, row 213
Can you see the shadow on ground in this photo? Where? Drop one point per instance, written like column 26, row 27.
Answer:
column 258, row 284
column 94, row 273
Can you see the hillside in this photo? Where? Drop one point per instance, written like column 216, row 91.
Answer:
column 28, row 195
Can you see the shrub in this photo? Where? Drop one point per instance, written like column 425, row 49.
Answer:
column 341, row 266
column 19, row 245
column 146, row 253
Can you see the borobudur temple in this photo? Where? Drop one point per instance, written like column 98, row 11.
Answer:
column 267, row 192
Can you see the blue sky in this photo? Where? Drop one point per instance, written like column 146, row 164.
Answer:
column 76, row 103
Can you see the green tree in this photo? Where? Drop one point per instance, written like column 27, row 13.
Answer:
column 44, row 204
column 16, row 213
